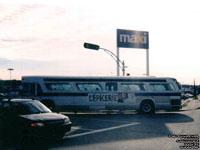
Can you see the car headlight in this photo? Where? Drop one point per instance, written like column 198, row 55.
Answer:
column 38, row 124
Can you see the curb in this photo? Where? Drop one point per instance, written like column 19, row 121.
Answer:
column 185, row 102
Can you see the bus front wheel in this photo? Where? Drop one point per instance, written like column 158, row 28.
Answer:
column 147, row 107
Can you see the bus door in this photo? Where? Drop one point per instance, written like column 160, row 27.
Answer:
column 29, row 89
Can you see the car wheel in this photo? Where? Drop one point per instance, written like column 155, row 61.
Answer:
column 29, row 141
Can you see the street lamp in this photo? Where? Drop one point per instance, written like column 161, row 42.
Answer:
column 97, row 47
column 10, row 69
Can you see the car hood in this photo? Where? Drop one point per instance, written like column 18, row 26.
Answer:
column 44, row 117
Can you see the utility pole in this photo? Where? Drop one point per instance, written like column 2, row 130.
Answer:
column 10, row 69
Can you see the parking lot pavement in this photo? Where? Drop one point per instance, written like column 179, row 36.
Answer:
column 190, row 103
column 101, row 125
column 125, row 131
column 82, row 117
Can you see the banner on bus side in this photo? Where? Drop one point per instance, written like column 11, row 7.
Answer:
column 120, row 97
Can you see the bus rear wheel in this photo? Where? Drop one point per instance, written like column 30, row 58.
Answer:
column 147, row 107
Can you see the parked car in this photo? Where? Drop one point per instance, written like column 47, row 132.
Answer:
column 28, row 120
column 2, row 95
column 187, row 95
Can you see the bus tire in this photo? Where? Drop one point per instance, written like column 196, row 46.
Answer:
column 50, row 104
column 147, row 107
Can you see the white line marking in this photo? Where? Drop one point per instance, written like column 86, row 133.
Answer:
column 101, row 130
column 79, row 128
column 103, row 120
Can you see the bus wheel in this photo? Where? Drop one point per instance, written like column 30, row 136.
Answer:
column 147, row 107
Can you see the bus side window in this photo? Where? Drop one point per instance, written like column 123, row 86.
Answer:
column 133, row 87
column 161, row 87
column 58, row 86
column 157, row 87
column 111, row 86
column 91, row 87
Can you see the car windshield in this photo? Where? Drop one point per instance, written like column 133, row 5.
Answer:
column 31, row 107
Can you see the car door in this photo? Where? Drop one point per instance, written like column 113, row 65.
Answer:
column 12, row 124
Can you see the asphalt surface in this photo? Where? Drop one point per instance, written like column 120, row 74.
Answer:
column 130, row 131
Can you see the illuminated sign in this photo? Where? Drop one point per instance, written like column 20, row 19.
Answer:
column 132, row 39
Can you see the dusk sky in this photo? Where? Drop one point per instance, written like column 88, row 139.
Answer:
column 45, row 37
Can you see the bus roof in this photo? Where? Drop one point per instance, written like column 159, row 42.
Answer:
column 94, row 78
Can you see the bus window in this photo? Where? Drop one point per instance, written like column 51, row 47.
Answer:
column 171, row 87
column 89, row 87
column 161, row 87
column 133, row 87
column 111, row 86
column 58, row 86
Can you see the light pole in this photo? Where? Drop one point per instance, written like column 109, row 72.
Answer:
column 10, row 69
column 195, row 92
column 115, row 57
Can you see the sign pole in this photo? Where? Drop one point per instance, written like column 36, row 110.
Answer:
column 133, row 39
column 118, row 73
column 147, row 57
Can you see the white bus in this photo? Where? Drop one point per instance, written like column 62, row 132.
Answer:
column 145, row 94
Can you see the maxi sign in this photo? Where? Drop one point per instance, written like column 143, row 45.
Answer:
column 132, row 39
